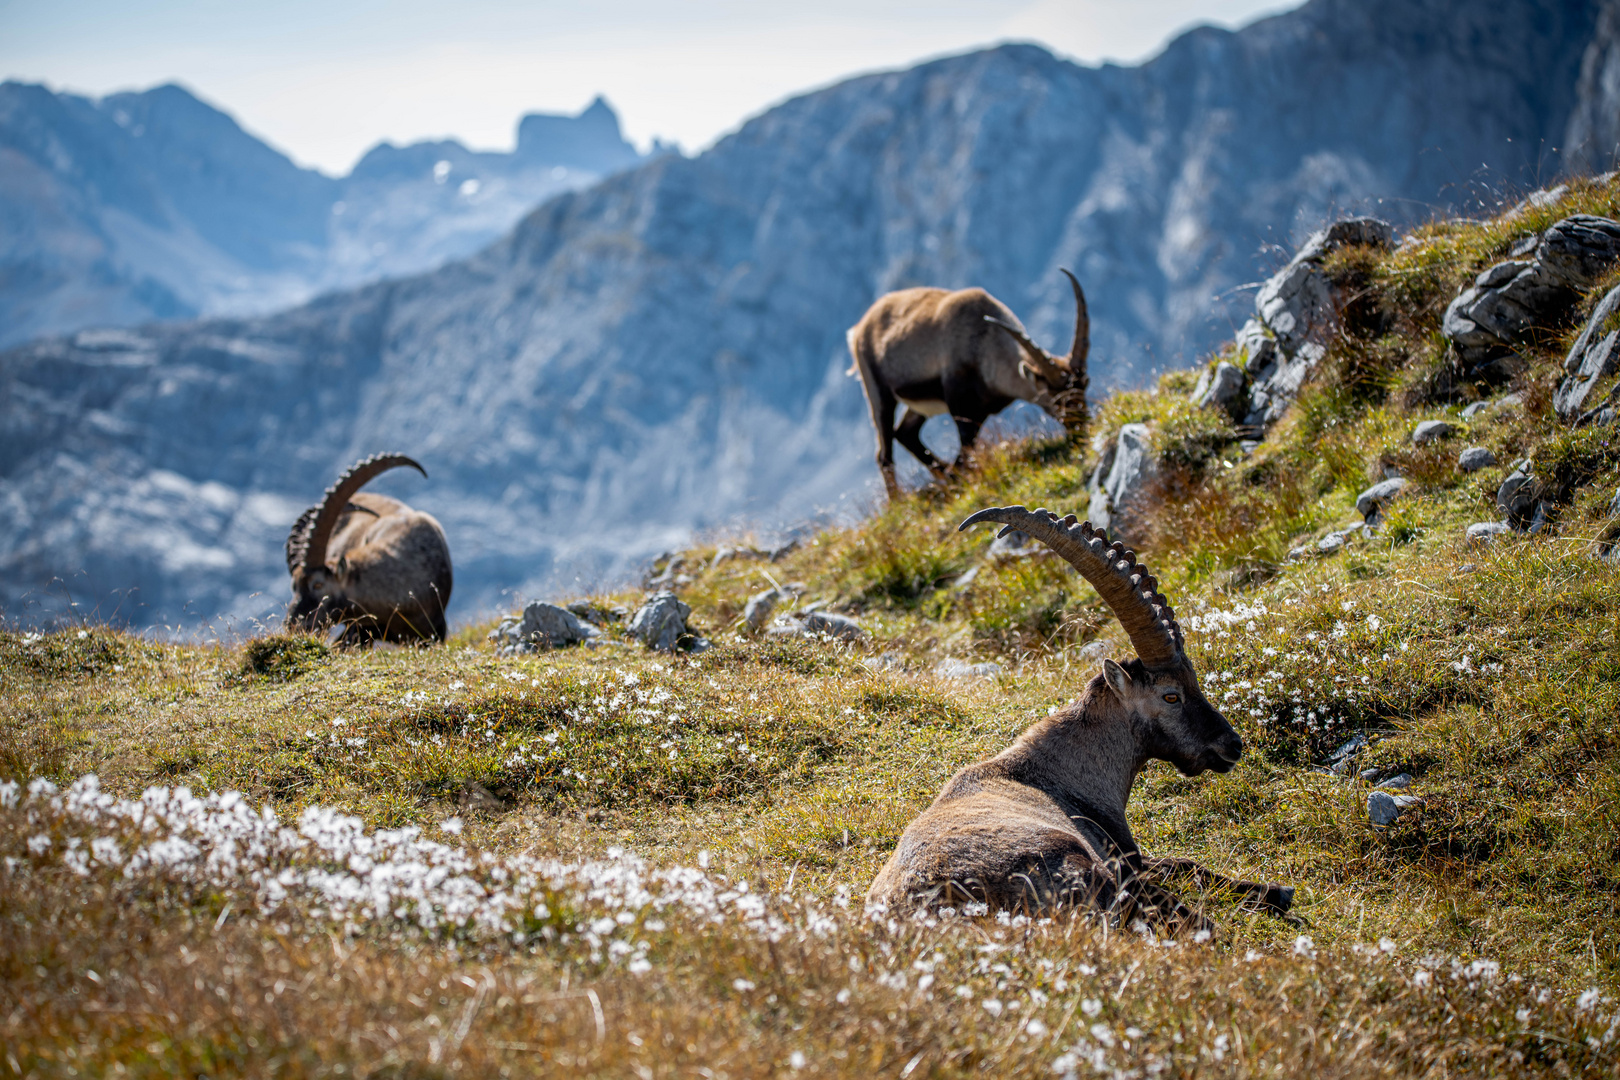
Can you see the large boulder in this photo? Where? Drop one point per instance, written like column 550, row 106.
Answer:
column 1488, row 318
column 660, row 623
column 1297, row 310
column 1120, row 498
column 1519, row 497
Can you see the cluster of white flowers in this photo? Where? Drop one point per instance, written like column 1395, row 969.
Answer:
column 331, row 867
column 1215, row 622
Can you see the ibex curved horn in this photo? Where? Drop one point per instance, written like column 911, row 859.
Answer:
column 1082, row 329
column 311, row 552
column 1125, row 585
column 1038, row 358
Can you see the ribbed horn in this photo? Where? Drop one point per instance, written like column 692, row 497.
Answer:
column 332, row 507
column 1043, row 364
column 1125, row 585
column 1082, row 335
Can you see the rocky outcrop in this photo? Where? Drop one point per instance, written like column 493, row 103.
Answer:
column 1121, row 484
column 1296, row 311
column 1489, row 318
column 1594, row 356
column 542, row 626
column 660, row 623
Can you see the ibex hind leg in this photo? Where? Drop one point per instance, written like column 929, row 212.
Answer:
column 909, row 435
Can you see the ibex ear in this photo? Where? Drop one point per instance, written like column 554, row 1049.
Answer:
column 1118, row 679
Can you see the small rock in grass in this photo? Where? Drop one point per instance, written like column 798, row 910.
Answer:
column 760, row 607
column 1340, row 761
column 1397, row 782
column 1475, row 409
column 1383, row 808
column 1370, row 775
column 661, row 621
column 1475, row 458
column 833, row 625
column 951, row 668
column 1330, row 544
column 1370, row 503
column 1432, row 431
column 1484, row 532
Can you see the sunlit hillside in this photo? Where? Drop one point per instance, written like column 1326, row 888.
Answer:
column 605, row 860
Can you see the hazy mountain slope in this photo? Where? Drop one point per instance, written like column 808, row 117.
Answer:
column 155, row 205
column 665, row 351
column 1593, row 137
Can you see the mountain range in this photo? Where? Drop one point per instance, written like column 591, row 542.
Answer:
column 662, row 352
column 155, row 205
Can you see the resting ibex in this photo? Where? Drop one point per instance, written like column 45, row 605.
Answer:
column 936, row 351
column 369, row 562
column 1042, row 824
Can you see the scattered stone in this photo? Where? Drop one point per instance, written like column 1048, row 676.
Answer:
column 966, row 579
column 660, row 623
column 594, row 615
column 1384, row 808
column 1093, row 651
column 1222, row 387
column 780, row 551
column 1467, row 568
column 1593, row 356
column 1370, row 775
column 1519, row 497
column 1398, row 782
column 1475, row 458
column 951, row 668
column 1485, row 531
column 1432, row 431
column 1475, row 409
column 1370, row 503
column 1341, row 759
column 1331, row 544
column 834, row 625
column 1119, row 501
column 760, row 607
column 542, row 626
column 1016, row 545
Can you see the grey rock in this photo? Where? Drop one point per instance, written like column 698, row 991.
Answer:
column 1614, row 504
column 1370, row 503
column 1331, row 544
column 1301, row 553
column 542, row 626
column 1484, row 532
column 1222, row 387
column 1594, row 356
column 951, row 668
column 1519, row 496
column 1120, row 501
column 1384, row 809
column 1016, row 545
column 1474, row 409
column 1256, row 349
column 590, row 612
column 1432, row 431
column 966, row 578
column 1398, row 782
column 834, row 625
column 1475, row 458
column 760, row 607
column 1487, row 319
column 660, row 623
column 1370, row 775
column 1093, row 651
column 1340, row 760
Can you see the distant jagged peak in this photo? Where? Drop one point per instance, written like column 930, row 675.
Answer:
column 591, row 140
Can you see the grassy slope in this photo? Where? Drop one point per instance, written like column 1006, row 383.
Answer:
column 1492, row 676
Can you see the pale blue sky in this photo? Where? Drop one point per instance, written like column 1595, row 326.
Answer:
column 325, row 79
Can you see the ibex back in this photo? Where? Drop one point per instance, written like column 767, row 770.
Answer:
column 1042, row 824
column 962, row 353
column 369, row 562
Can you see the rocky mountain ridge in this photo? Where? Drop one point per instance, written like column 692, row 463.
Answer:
column 155, row 205
column 663, row 353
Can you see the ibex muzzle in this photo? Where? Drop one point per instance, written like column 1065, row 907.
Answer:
column 962, row 353
column 1042, row 824
column 369, row 562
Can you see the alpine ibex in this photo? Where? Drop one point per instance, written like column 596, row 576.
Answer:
column 369, row 562
column 936, row 351
column 1042, row 824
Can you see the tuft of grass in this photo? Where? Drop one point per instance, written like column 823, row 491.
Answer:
column 282, row 657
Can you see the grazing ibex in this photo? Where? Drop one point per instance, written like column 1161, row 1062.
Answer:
column 964, row 353
column 1042, row 824
column 369, row 562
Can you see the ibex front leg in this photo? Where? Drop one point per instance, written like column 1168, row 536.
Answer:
column 1267, row 896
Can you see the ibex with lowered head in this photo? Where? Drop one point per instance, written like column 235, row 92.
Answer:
column 964, row 353
column 369, row 562
column 1042, row 824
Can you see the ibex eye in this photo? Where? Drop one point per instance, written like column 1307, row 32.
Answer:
column 1172, row 698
